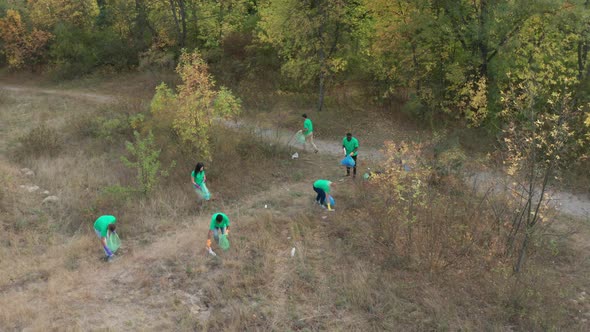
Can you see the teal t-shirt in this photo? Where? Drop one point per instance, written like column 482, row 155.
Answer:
column 102, row 224
column 222, row 224
column 199, row 177
column 323, row 184
column 350, row 145
column 307, row 125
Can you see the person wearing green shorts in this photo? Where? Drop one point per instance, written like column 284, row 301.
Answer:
column 102, row 226
column 308, row 133
column 350, row 145
column 219, row 225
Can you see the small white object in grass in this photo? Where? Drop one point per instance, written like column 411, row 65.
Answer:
column 265, row 206
column 211, row 252
column 293, row 252
column 324, row 217
column 295, row 155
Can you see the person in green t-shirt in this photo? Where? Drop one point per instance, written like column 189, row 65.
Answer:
column 198, row 179
column 308, row 132
column 350, row 145
column 219, row 225
column 102, row 226
column 323, row 188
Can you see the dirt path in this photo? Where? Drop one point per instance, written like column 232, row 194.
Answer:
column 99, row 98
column 577, row 205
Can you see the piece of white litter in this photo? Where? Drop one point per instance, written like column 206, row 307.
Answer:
column 265, row 206
column 324, row 217
column 295, row 155
column 293, row 252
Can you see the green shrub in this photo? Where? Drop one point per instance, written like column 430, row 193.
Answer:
column 146, row 161
column 40, row 141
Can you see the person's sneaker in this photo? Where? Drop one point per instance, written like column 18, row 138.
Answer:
column 109, row 258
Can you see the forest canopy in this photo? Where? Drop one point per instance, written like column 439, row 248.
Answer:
column 461, row 59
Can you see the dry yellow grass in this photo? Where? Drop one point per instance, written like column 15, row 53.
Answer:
column 52, row 276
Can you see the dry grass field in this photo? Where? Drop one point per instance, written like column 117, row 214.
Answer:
column 359, row 268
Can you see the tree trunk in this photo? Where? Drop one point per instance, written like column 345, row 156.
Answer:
column 176, row 23
column 321, row 53
column 483, row 38
column 182, row 11
column 101, row 19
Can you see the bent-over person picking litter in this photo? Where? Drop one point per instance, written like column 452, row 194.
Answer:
column 219, row 225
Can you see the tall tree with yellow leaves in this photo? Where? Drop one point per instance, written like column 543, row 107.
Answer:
column 21, row 46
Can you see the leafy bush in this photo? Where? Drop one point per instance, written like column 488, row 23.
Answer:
column 113, row 197
column 147, row 161
column 40, row 141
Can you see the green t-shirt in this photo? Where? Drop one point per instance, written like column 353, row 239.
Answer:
column 307, row 125
column 222, row 224
column 350, row 146
column 102, row 224
column 199, row 177
column 323, row 184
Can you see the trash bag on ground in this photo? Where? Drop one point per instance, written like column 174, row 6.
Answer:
column 348, row 162
column 223, row 242
column 300, row 137
column 113, row 242
column 332, row 201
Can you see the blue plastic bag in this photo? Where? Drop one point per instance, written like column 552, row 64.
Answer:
column 332, row 201
column 347, row 161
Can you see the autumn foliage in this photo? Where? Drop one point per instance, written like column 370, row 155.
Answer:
column 195, row 106
column 21, row 46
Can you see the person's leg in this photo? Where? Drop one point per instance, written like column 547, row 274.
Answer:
column 216, row 235
column 318, row 196
column 322, row 195
column 347, row 171
column 97, row 232
column 354, row 168
column 313, row 143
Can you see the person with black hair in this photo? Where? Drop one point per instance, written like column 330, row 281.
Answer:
column 308, row 133
column 219, row 225
column 350, row 145
column 198, row 178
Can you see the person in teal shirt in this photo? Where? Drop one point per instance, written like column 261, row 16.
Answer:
column 350, row 145
column 308, row 132
column 198, row 178
column 219, row 225
column 102, row 226
column 323, row 188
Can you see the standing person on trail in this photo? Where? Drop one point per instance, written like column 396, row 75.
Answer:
column 308, row 132
column 219, row 225
column 322, row 188
column 102, row 226
column 350, row 145
column 198, row 179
